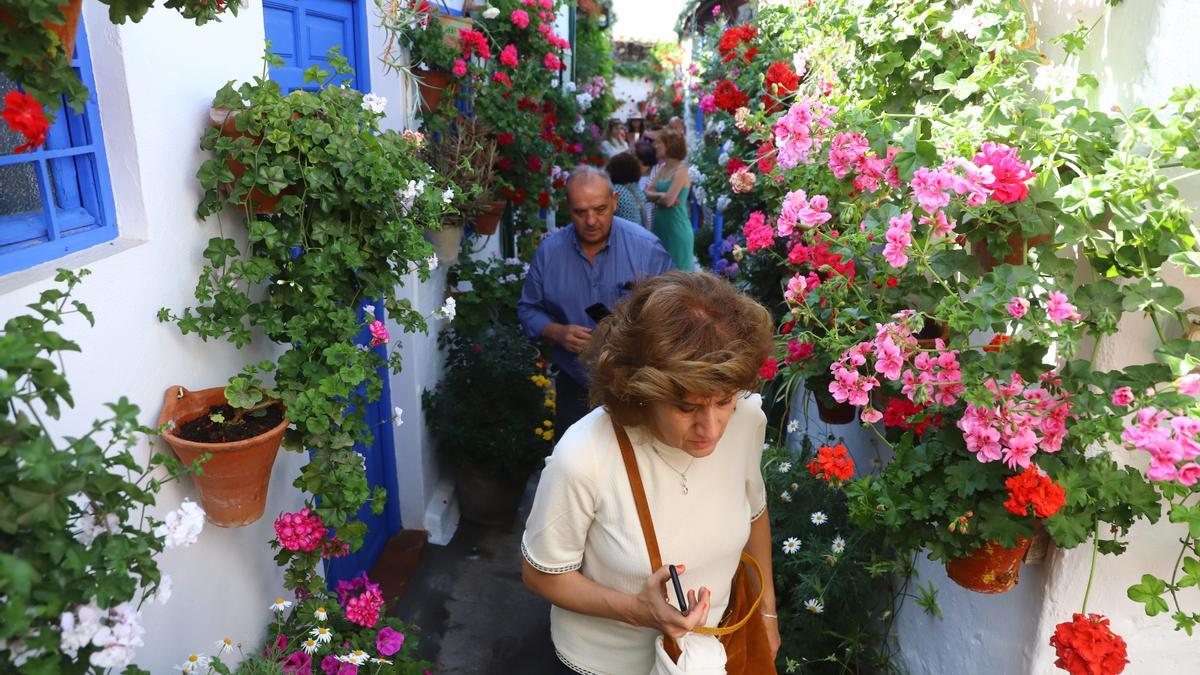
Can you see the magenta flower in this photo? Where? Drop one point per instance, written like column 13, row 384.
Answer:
column 898, row 240
column 845, row 151
column 520, row 18
column 1122, row 397
column 939, row 225
column 931, row 188
column 508, row 56
column 298, row 662
column 758, row 234
column 1017, row 307
column 379, row 333
column 1189, row 385
column 1059, row 310
column 1189, row 473
column 389, row 641
column 330, row 664
column 552, row 62
column 1009, row 173
column 460, row 68
column 301, row 531
column 708, row 104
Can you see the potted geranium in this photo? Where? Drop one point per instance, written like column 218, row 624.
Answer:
column 465, row 156
column 498, row 376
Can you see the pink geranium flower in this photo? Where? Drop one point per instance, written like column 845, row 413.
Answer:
column 758, row 234
column 898, row 240
column 379, row 334
column 931, row 188
column 520, row 18
column 1122, row 397
column 1059, row 309
column 508, row 56
column 1009, row 173
column 552, row 62
column 460, row 68
column 1017, row 307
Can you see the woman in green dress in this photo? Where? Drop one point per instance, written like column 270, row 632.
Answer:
column 668, row 190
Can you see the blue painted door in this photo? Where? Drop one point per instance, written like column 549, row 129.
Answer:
column 302, row 32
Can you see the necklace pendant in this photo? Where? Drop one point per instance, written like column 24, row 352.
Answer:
column 683, row 486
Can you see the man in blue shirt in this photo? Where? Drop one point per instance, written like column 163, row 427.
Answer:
column 597, row 260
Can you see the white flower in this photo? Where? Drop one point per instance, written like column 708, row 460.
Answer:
column 193, row 663
column 785, row 496
column 964, row 21
column 792, row 426
column 791, row 545
column 813, row 605
column 584, row 100
column 433, row 262
column 322, row 634
column 448, row 195
column 838, row 545
column 448, row 309
column 398, row 419
column 112, row 656
column 357, row 657
column 374, row 103
column 320, row 612
column 280, row 605
column 87, row 527
column 723, row 203
column 163, row 593
column 182, row 526
column 119, row 633
column 569, row 86
column 785, row 467
column 383, row 661
column 1051, row 78
column 819, row 518
column 78, row 627
column 409, row 194
column 309, row 645
column 491, row 13
column 723, row 158
column 580, row 125
column 720, row 127
column 223, row 645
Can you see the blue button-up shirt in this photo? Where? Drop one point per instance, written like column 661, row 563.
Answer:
column 562, row 283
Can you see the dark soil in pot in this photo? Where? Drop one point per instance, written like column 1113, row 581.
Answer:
column 204, row 430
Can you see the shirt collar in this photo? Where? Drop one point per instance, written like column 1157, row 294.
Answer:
column 614, row 232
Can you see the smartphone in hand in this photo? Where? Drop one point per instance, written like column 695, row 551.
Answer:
column 597, row 312
column 678, row 589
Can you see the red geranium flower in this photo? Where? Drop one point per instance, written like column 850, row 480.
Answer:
column 997, row 343
column 25, row 116
column 734, row 165
column 474, row 43
column 728, row 97
column 1030, row 488
column 766, row 157
column 1085, row 645
column 832, row 464
column 504, row 138
column 735, row 37
column 780, row 81
column 768, row 369
column 544, row 199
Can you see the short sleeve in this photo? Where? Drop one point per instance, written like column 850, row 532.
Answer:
column 756, row 490
column 563, row 508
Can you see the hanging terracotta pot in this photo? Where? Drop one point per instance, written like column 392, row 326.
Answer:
column 931, row 332
column 992, row 568
column 1017, row 246
column 446, row 243
column 66, row 31
column 260, row 202
column 487, row 222
column 233, row 487
column 433, row 85
column 828, row 410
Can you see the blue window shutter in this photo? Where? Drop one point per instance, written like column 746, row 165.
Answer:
column 57, row 199
column 302, row 32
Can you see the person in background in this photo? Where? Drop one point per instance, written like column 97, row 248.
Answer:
column 615, row 139
column 676, row 124
column 668, row 189
column 635, row 126
column 647, row 159
column 594, row 262
column 625, row 172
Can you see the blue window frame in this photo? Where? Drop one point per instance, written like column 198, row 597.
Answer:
column 56, row 199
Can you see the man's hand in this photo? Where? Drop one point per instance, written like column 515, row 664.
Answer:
column 573, row 337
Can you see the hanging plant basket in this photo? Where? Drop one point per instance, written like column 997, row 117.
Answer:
column 233, row 482
column 67, row 32
column 828, row 410
column 992, row 568
column 446, row 242
column 931, row 332
column 433, row 86
column 259, row 202
column 487, row 222
column 1017, row 246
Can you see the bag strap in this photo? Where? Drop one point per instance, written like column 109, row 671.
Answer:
column 643, row 510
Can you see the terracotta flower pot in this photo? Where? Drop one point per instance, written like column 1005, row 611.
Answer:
column 828, row 410
column 260, row 202
column 233, row 489
column 66, row 32
column 931, row 332
column 433, row 85
column 992, row 568
column 487, row 222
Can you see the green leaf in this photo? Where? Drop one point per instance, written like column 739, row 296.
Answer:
column 1181, row 513
column 1191, row 573
column 1149, row 593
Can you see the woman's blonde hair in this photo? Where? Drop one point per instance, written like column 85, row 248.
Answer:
column 675, row 335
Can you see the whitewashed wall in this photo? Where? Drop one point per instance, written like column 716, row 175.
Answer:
column 155, row 81
column 1140, row 52
column 628, row 92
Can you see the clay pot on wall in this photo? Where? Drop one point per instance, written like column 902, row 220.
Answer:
column 828, row 410
column 66, row 31
column 446, row 242
column 487, row 222
column 260, row 202
column 992, row 568
column 931, row 332
column 433, row 86
column 1017, row 245
column 233, row 487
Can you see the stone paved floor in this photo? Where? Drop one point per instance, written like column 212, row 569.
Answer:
column 476, row 616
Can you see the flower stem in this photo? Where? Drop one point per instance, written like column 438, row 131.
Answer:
column 1092, row 571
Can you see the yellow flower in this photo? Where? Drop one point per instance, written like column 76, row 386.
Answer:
column 547, row 423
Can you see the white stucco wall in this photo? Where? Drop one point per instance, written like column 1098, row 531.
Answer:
column 155, row 81
column 628, row 92
column 1140, row 52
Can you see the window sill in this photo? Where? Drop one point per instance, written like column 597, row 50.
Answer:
column 44, row 272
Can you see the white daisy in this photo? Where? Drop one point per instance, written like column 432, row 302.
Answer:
column 785, row 467
column 785, row 496
column 224, row 644
column 791, row 545
column 310, row 645
column 793, row 426
column 193, row 663
column 280, row 605
column 357, row 657
column 322, row 634
column 819, row 518
column 320, row 612
column 398, row 420
column 838, row 545
column 383, row 661
column 813, row 605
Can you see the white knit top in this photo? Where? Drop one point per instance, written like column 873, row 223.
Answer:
column 584, row 518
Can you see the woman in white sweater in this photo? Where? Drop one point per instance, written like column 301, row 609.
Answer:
column 673, row 367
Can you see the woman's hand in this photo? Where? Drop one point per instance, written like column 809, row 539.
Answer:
column 771, row 623
column 656, row 613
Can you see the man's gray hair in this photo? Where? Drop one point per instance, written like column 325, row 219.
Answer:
column 585, row 171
